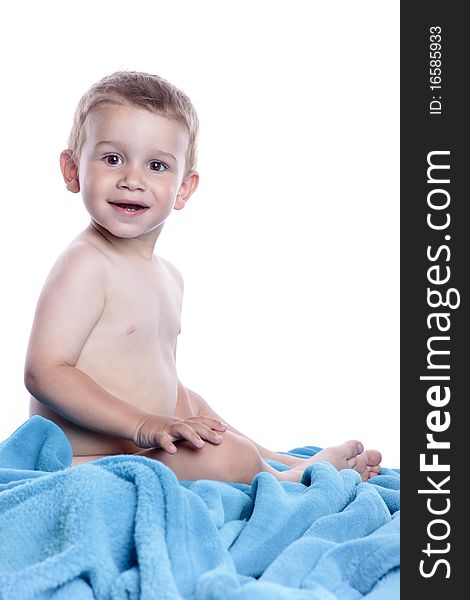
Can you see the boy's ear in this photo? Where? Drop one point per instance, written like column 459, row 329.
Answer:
column 187, row 187
column 69, row 170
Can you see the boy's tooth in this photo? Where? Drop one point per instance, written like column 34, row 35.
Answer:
column 130, row 207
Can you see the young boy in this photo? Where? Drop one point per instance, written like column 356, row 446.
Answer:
column 101, row 361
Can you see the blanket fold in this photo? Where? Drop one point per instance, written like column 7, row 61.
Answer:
column 125, row 527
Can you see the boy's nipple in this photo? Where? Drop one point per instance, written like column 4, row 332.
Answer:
column 131, row 328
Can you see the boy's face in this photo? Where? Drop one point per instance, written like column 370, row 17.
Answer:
column 131, row 171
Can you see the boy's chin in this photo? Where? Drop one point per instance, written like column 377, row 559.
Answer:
column 127, row 232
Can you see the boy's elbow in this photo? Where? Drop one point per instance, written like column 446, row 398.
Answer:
column 35, row 375
column 39, row 374
column 31, row 378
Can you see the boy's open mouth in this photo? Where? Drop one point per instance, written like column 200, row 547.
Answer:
column 128, row 207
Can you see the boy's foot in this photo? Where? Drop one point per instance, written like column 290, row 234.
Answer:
column 350, row 455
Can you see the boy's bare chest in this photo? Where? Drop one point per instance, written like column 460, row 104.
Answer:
column 143, row 307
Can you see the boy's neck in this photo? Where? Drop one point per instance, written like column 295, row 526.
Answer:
column 142, row 247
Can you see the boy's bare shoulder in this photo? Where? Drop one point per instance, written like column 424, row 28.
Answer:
column 81, row 258
column 173, row 271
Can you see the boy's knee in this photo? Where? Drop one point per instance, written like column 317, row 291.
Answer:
column 241, row 459
column 235, row 459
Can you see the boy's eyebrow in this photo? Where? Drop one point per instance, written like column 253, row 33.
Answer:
column 112, row 143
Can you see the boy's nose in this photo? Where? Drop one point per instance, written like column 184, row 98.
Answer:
column 132, row 180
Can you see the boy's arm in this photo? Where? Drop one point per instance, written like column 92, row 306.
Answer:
column 70, row 305
column 201, row 407
column 68, row 309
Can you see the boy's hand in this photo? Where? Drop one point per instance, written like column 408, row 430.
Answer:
column 158, row 431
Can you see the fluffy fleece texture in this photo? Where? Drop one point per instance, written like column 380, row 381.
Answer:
column 124, row 527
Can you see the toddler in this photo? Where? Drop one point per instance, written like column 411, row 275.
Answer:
column 101, row 360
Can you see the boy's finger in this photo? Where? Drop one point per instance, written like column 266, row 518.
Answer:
column 188, row 433
column 207, row 433
column 166, row 444
column 213, row 423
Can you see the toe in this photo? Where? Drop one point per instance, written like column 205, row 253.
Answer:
column 373, row 458
column 361, row 467
column 352, row 448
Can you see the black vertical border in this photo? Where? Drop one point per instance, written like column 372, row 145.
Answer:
column 421, row 133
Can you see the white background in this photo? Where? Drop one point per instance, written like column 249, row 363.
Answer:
column 290, row 246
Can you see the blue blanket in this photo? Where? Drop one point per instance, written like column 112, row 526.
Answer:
column 124, row 527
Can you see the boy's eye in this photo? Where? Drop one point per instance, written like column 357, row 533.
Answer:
column 113, row 159
column 156, row 165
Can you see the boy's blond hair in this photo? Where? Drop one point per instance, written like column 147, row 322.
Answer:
column 143, row 90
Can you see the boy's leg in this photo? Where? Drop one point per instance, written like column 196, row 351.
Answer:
column 350, row 455
column 237, row 459
column 192, row 404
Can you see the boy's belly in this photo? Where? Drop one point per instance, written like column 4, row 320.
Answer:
column 84, row 442
column 152, row 391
